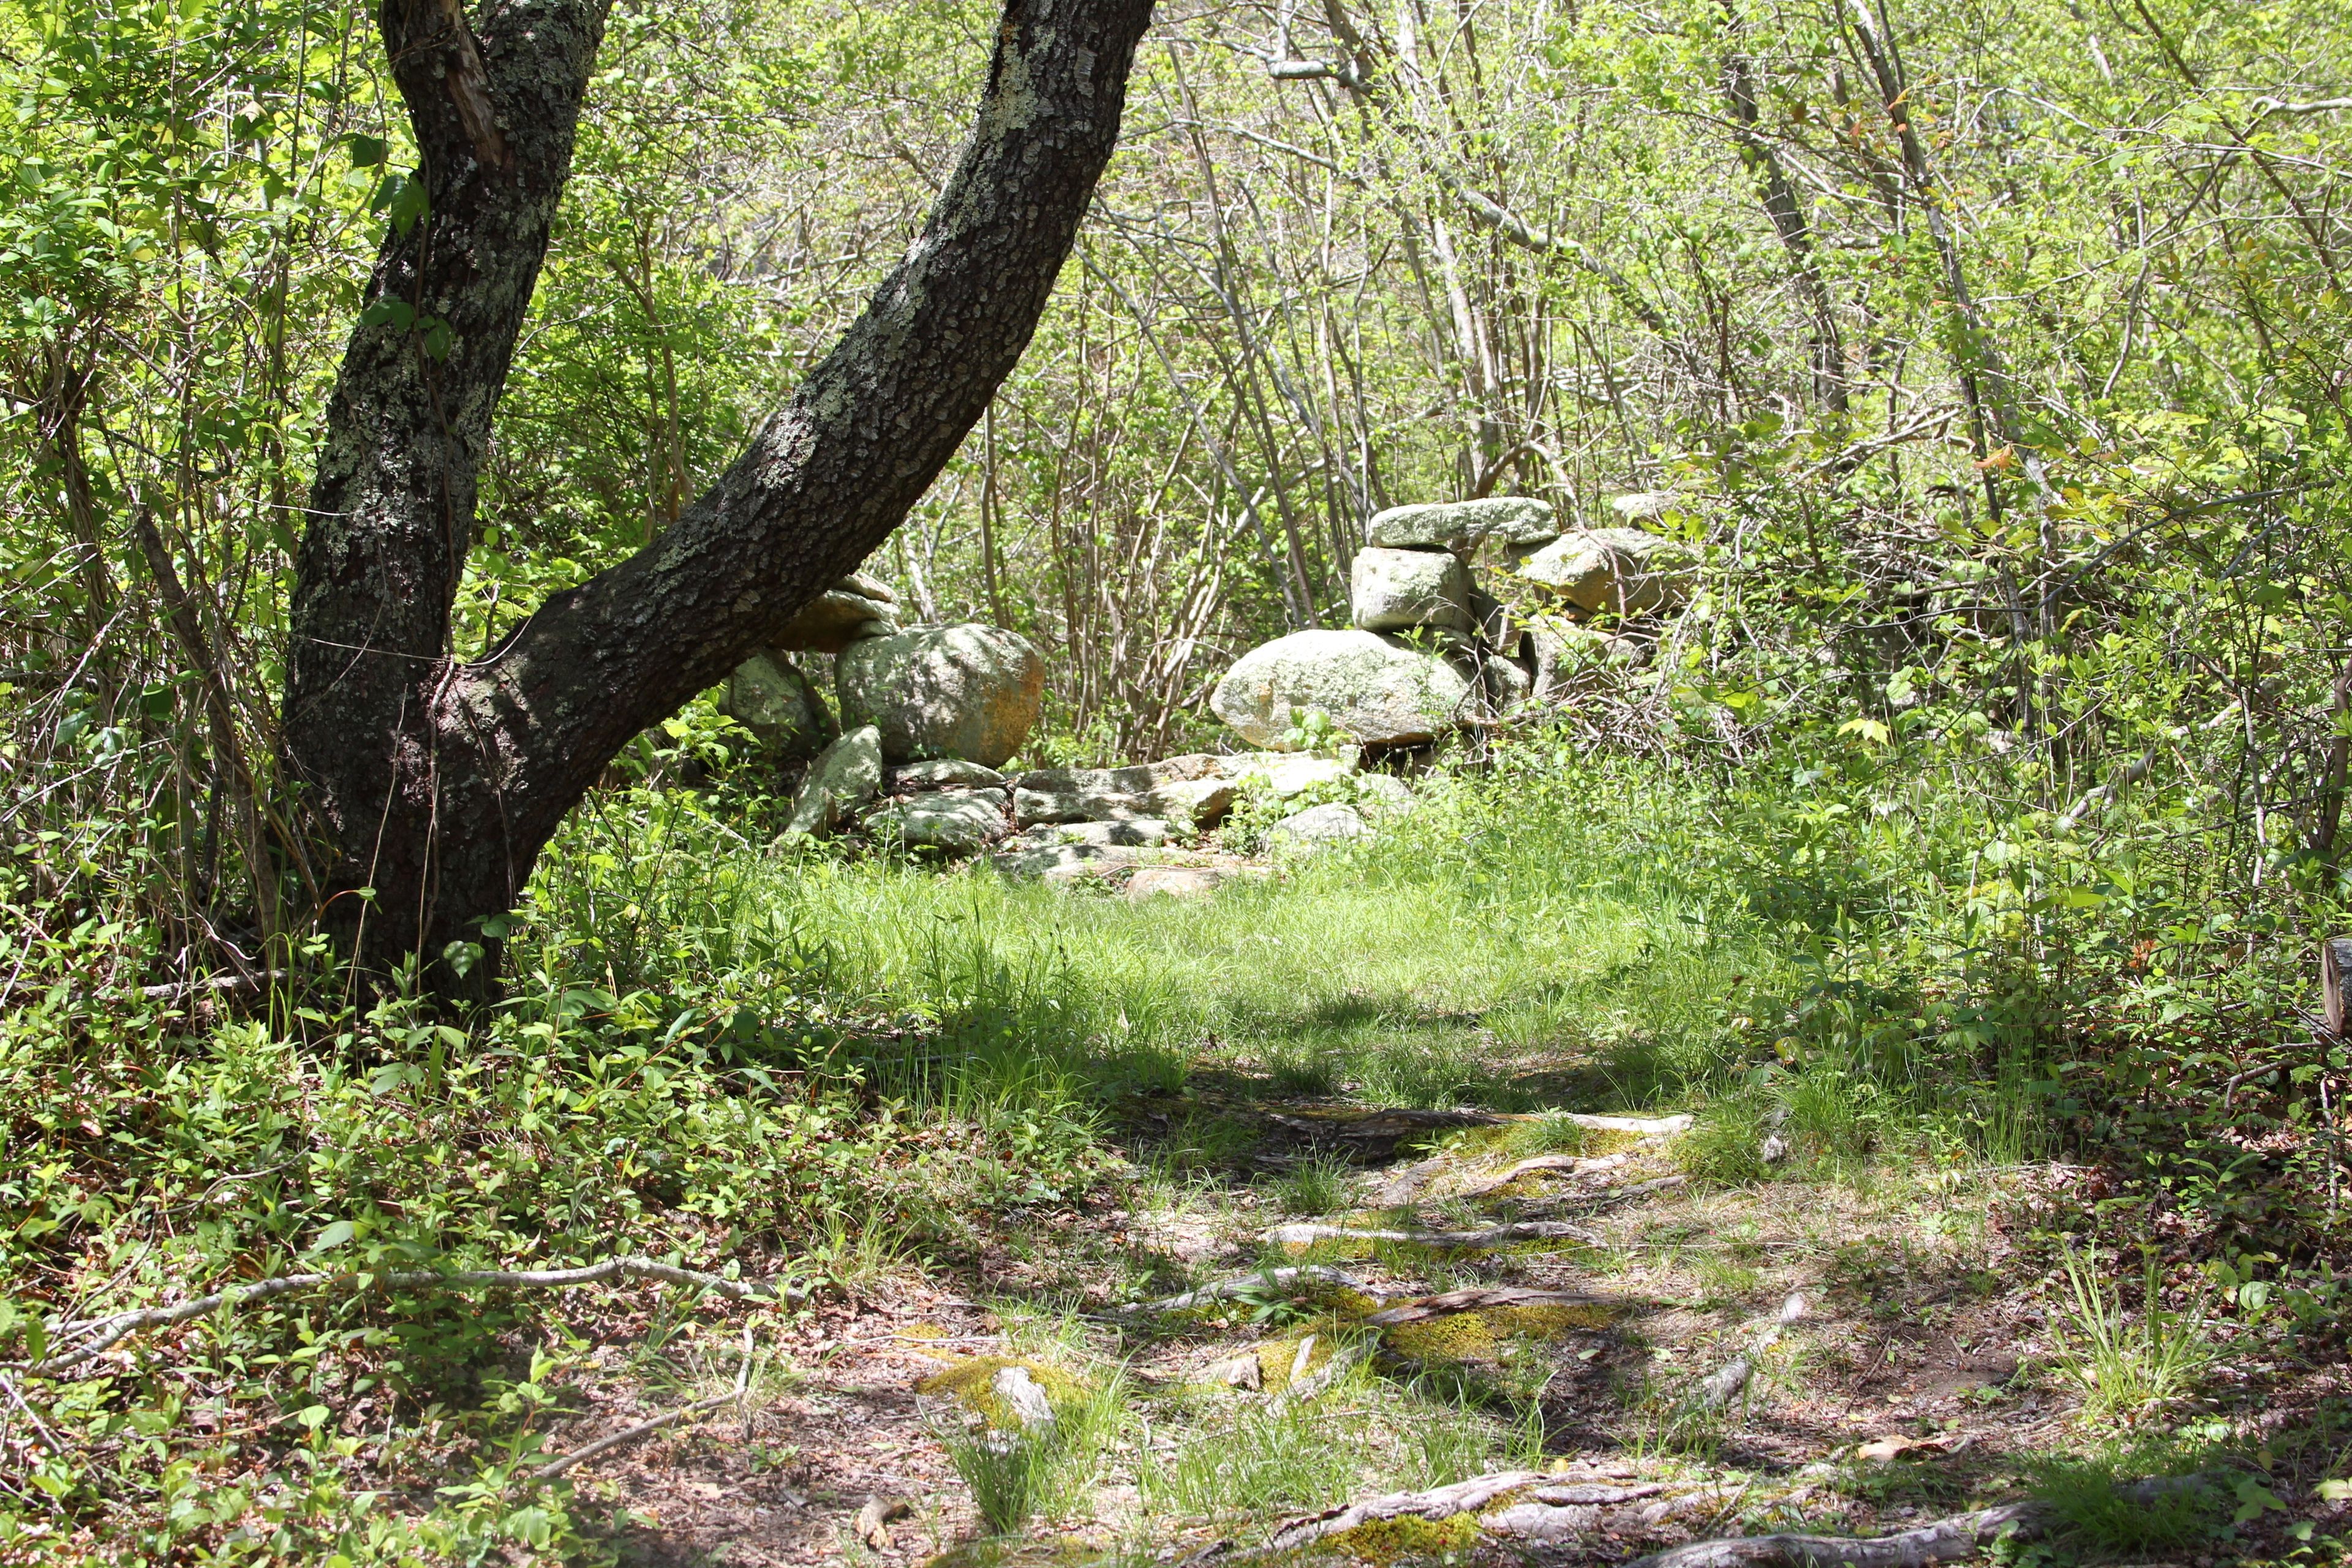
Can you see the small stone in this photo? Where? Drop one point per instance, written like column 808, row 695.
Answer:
column 844, row 776
column 1319, row 826
column 1061, row 864
column 1178, row 882
column 954, row 824
column 944, row 773
column 1140, row 831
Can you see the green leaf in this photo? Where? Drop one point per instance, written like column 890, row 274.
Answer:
column 335, row 1235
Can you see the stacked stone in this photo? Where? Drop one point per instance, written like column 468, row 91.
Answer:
column 1432, row 651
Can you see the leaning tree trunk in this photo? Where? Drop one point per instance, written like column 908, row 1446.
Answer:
column 437, row 782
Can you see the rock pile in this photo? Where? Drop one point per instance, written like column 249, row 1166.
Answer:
column 1431, row 651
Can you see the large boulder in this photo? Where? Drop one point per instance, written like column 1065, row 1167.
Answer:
column 769, row 695
column 952, row 824
column 1379, row 690
column 970, row 692
column 1394, row 590
column 1619, row 569
column 1514, row 522
column 841, row 781
column 1147, row 831
column 856, row 607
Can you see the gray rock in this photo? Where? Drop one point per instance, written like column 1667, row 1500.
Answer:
column 955, row 823
column 1377, row 689
column 1382, row 795
column 841, row 781
column 1141, row 832
column 1644, row 505
column 970, row 692
column 1620, row 569
column 1504, row 683
column 1511, row 521
column 1392, row 590
column 1491, row 618
column 945, row 772
column 1568, row 658
column 1190, row 789
column 1291, row 774
column 856, row 607
column 1178, row 882
column 1316, row 827
column 770, row 696
column 1063, row 863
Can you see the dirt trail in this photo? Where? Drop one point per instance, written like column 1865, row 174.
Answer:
column 1831, row 1358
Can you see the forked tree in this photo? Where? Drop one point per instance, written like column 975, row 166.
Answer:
column 435, row 782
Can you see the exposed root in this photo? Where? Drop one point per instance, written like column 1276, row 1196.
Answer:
column 1573, row 1165
column 1475, row 1299
column 1231, row 1289
column 1305, row 1234
column 1944, row 1540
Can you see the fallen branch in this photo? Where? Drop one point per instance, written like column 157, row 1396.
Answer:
column 111, row 1331
column 1304, row 1234
column 1233, row 1290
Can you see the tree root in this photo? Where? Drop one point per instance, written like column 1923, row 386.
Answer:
column 1944, row 1540
column 1303, row 1234
column 1232, row 1289
column 1474, row 1300
column 107, row 1332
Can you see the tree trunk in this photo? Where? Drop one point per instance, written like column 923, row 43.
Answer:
column 437, row 782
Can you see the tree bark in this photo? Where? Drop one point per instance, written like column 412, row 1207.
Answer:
column 437, row 782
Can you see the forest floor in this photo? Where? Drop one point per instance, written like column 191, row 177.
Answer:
column 1903, row 1326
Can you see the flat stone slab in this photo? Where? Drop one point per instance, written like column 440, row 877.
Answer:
column 1515, row 522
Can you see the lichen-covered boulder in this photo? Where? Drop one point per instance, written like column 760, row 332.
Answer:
column 970, row 692
column 842, row 780
column 769, row 695
column 1377, row 689
column 856, row 607
column 1623, row 570
column 1394, row 590
column 1514, row 522
column 951, row 824
column 1570, row 658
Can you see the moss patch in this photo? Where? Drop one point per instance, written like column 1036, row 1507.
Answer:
column 1487, row 1334
column 970, row 1382
column 1406, row 1538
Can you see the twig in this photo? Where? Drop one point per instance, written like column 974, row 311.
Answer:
column 605, row 1444
column 111, row 1330
column 47, row 1438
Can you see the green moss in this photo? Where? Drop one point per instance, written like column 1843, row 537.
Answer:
column 971, row 1382
column 1488, row 1333
column 1406, row 1538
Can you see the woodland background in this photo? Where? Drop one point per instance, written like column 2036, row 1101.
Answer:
column 1995, row 351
